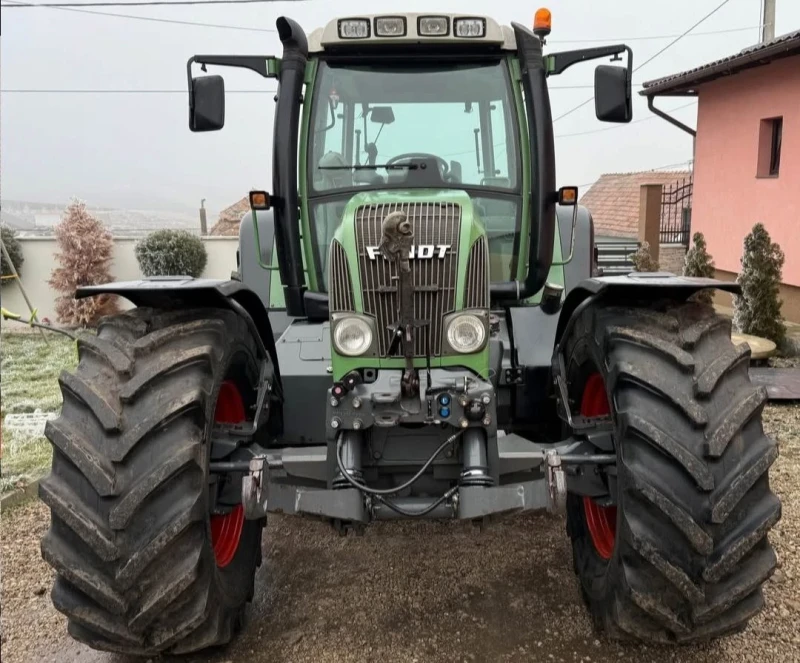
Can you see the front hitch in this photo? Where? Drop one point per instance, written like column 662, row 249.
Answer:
column 397, row 235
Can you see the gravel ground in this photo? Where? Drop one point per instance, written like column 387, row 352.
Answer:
column 425, row 592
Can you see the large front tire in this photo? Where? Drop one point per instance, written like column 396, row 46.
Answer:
column 143, row 566
column 683, row 553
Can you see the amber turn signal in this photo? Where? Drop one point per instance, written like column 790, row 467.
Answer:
column 568, row 195
column 259, row 200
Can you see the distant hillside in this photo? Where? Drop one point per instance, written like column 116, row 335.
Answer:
column 39, row 218
column 19, row 222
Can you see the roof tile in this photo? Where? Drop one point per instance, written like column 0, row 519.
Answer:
column 230, row 217
column 613, row 200
column 758, row 54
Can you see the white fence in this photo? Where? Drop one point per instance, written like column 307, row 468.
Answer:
column 39, row 261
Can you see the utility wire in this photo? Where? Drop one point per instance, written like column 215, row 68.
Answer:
column 166, row 91
column 652, row 37
column 622, row 126
column 18, row 3
column 502, row 146
column 120, row 91
column 142, row 3
column 152, row 19
column 650, row 59
column 649, row 170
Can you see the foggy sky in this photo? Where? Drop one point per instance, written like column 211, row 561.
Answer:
column 120, row 149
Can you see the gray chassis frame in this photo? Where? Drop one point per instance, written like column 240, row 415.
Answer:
column 295, row 471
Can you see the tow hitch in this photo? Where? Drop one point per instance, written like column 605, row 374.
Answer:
column 255, row 489
column 279, row 481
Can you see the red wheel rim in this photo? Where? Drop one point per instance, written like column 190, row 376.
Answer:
column 226, row 530
column 600, row 520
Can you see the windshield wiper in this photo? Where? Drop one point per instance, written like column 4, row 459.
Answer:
column 366, row 166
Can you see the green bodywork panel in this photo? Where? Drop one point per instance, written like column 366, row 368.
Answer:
column 471, row 228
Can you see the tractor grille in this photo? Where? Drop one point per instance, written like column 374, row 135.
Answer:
column 341, row 289
column 476, row 291
column 434, row 278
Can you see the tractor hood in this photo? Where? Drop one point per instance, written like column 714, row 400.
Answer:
column 449, row 263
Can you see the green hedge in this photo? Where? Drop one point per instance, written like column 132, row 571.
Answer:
column 171, row 253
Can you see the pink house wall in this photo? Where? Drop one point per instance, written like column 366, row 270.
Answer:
column 728, row 197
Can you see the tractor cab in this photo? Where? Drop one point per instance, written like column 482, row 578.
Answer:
column 413, row 211
column 392, row 105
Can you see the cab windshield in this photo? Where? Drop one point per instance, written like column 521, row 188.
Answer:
column 432, row 126
column 373, row 124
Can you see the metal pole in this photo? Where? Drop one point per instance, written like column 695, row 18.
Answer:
column 21, row 287
column 768, row 22
column 203, row 221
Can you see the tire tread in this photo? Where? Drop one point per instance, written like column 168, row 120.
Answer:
column 135, row 573
column 683, row 396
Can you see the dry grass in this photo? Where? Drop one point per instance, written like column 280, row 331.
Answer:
column 29, row 370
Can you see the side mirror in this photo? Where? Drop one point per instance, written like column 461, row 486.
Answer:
column 207, row 103
column 382, row 115
column 612, row 94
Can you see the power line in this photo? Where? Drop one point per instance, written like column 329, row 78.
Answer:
column 120, row 91
column 649, row 170
column 141, row 3
column 621, row 126
column 650, row 38
column 650, row 59
column 581, row 133
column 18, row 3
column 153, row 19
column 166, row 91
column 579, row 87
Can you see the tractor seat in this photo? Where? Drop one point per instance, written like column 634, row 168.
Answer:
column 502, row 182
column 334, row 179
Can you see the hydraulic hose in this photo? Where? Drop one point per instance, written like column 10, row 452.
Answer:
column 407, row 484
column 417, row 514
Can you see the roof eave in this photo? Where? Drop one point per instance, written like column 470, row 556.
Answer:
column 685, row 85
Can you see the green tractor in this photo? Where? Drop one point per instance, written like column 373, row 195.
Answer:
column 416, row 329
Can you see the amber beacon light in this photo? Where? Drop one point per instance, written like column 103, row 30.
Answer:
column 542, row 22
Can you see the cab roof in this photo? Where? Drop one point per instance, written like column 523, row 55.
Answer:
column 330, row 36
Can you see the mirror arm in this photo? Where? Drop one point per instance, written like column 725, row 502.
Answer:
column 557, row 63
column 257, row 63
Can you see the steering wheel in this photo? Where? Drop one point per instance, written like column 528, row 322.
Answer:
column 443, row 167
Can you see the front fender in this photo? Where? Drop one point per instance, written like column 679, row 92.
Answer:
column 171, row 292
column 636, row 288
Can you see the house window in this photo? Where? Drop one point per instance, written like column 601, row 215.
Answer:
column 769, row 147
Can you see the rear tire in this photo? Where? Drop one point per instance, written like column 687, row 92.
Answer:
column 131, row 536
column 683, row 555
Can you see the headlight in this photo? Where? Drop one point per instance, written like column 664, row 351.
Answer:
column 470, row 27
column 352, row 337
column 433, row 26
column 466, row 333
column 353, row 28
column 390, row 26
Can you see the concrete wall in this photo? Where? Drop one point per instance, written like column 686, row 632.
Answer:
column 671, row 257
column 39, row 254
column 729, row 197
column 789, row 295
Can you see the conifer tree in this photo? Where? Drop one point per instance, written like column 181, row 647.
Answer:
column 699, row 263
column 86, row 250
column 758, row 310
column 643, row 261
